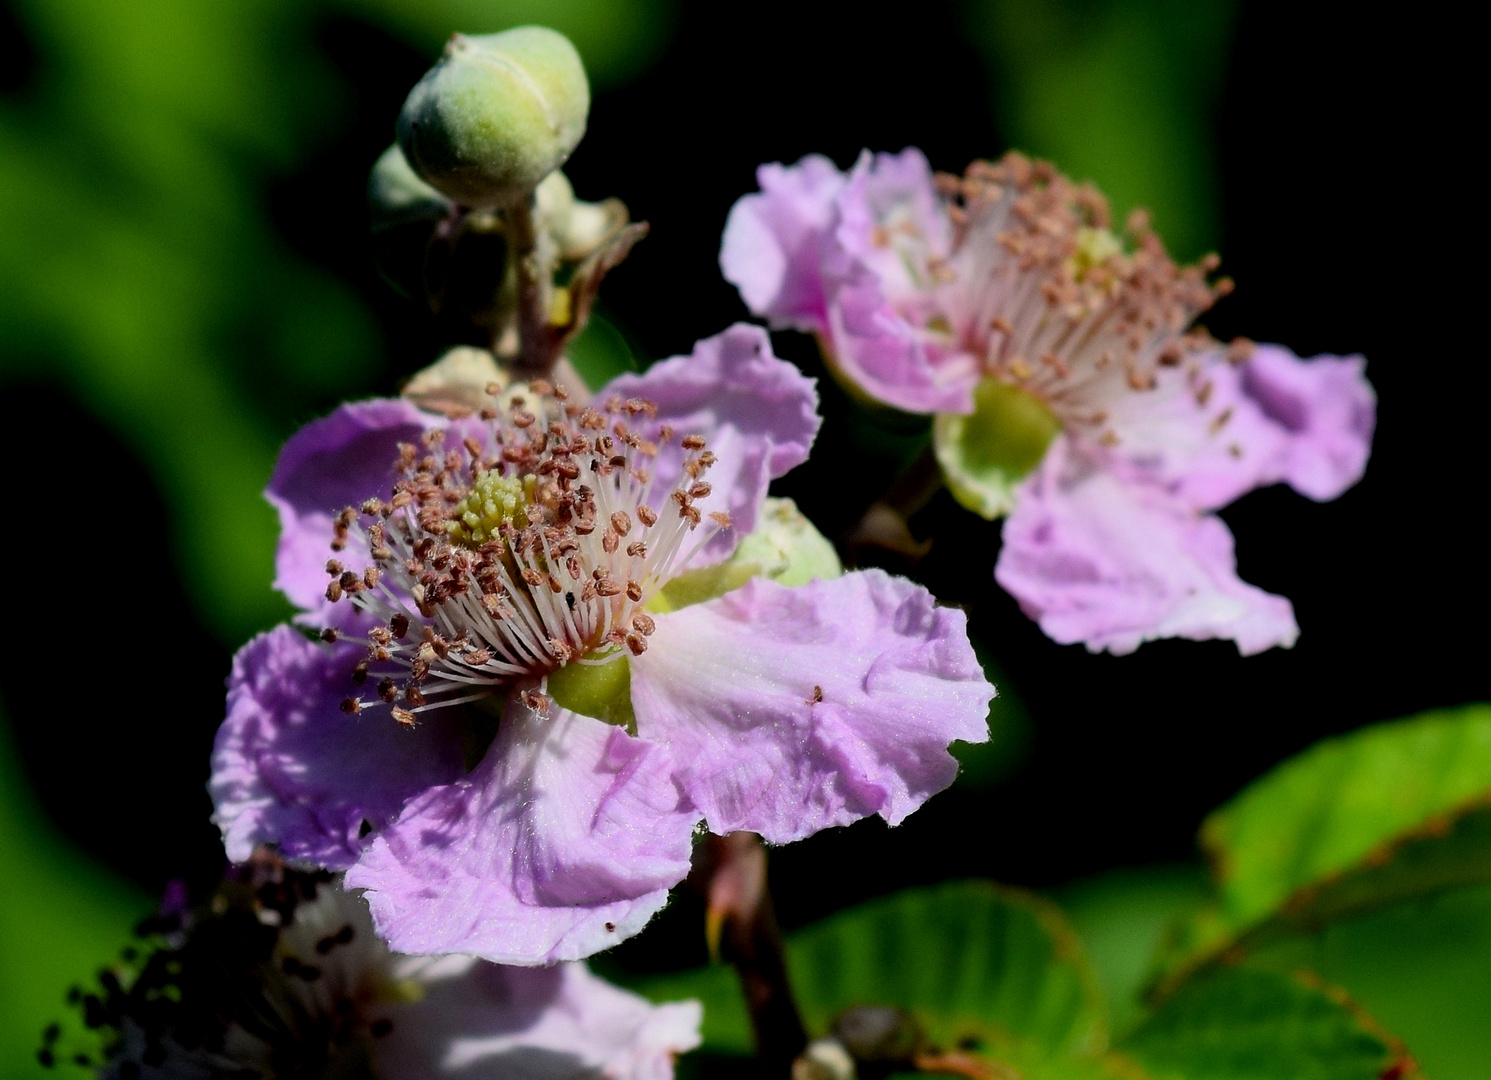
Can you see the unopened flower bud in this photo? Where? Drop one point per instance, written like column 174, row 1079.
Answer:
column 397, row 196
column 497, row 114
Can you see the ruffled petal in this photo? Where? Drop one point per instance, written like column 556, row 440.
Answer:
column 1113, row 562
column 789, row 710
column 289, row 767
column 562, row 842
column 489, row 1022
column 758, row 413
column 1326, row 409
column 1219, row 430
column 892, row 222
column 876, row 350
column 776, row 241
column 334, row 462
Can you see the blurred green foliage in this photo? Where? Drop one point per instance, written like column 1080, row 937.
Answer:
column 1120, row 92
column 61, row 918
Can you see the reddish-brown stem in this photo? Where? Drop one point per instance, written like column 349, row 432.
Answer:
column 741, row 920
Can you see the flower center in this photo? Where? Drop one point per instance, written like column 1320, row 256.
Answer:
column 515, row 546
column 1054, row 302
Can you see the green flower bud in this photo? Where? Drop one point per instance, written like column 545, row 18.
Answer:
column 497, row 114
column 403, row 213
column 397, row 196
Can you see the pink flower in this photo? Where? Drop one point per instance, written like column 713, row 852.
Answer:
column 517, row 718
column 1068, row 392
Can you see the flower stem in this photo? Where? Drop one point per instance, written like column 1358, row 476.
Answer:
column 740, row 911
column 536, row 351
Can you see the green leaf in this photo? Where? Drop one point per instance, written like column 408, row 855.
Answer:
column 985, row 968
column 1239, row 1024
column 1122, row 918
column 1422, row 968
column 1383, row 815
column 972, row 960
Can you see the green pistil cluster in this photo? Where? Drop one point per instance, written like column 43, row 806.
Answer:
column 493, row 501
column 1094, row 248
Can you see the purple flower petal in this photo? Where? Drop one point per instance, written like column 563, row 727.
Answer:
column 892, row 222
column 1220, row 431
column 789, row 710
column 759, row 414
column 289, row 767
column 1325, row 407
column 776, row 241
column 334, row 462
column 877, row 351
column 489, row 1022
column 563, row 842
column 1113, row 562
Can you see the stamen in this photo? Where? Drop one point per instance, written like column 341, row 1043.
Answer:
column 1041, row 273
column 508, row 568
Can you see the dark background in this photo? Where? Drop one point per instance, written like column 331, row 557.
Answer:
column 1348, row 216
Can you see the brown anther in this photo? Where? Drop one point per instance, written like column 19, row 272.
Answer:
column 334, row 568
column 633, row 592
column 380, row 635
column 636, row 644
column 414, row 696
column 388, row 690
column 643, row 623
column 399, row 625
column 351, row 706
column 817, row 695
column 607, row 587
column 372, row 507
column 370, row 577
column 700, row 491
column 536, row 700
column 637, row 549
column 690, row 513
column 419, row 671
column 378, row 654
column 522, row 418
column 720, row 518
column 360, row 672
column 554, row 585
column 647, row 515
column 477, row 657
column 1239, row 350
column 693, row 442
column 532, row 576
column 621, row 523
column 330, row 635
column 334, row 591
column 610, row 541
column 403, row 716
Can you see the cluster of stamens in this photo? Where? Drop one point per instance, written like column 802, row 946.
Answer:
column 499, row 559
column 1055, row 302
